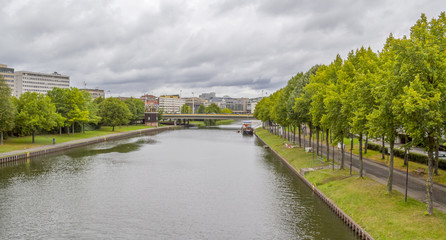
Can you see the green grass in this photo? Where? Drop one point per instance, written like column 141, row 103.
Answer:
column 382, row 215
column 20, row 143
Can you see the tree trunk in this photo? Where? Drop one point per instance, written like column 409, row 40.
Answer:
column 113, row 129
column 72, row 125
column 1, row 137
column 68, row 129
column 351, row 155
column 317, row 141
column 60, row 131
column 328, row 146
column 390, row 178
column 366, row 144
column 294, row 134
column 342, row 153
column 300, row 139
column 437, row 149
column 430, row 177
column 305, row 130
column 34, row 133
column 310, row 143
column 83, row 128
column 361, row 163
column 383, row 149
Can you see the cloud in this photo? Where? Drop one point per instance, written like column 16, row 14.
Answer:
column 235, row 48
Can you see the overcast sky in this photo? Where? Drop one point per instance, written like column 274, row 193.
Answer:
column 232, row 47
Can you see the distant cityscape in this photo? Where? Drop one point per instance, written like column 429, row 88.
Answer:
column 28, row 81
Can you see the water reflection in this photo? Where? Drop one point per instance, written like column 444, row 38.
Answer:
column 185, row 184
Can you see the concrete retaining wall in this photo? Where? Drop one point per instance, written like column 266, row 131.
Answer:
column 68, row 145
column 348, row 220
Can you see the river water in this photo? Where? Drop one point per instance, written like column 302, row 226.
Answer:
column 182, row 184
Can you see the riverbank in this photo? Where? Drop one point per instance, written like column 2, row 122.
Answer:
column 46, row 149
column 382, row 215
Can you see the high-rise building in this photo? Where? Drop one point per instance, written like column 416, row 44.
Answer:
column 8, row 75
column 39, row 82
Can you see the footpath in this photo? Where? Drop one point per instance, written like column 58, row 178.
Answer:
column 36, row 151
column 380, row 172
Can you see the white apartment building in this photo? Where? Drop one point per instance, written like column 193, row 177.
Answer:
column 8, row 75
column 38, row 82
column 171, row 104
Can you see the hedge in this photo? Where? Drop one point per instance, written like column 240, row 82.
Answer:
column 413, row 157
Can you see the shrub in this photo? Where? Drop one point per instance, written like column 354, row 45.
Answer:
column 413, row 157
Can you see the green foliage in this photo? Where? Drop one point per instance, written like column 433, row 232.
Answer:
column 35, row 112
column 136, row 108
column 213, row 108
column 114, row 112
column 186, row 109
column 7, row 109
column 226, row 111
column 201, row 109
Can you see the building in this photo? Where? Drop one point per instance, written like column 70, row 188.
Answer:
column 8, row 75
column 95, row 93
column 171, row 103
column 151, row 102
column 252, row 103
column 237, row 105
column 195, row 102
column 207, row 96
column 39, row 82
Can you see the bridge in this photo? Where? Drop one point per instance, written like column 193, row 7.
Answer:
column 208, row 116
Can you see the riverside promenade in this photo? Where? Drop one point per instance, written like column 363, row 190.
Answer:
column 42, row 150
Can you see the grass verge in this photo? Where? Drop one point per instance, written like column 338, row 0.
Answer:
column 382, row 215
column 20, row 143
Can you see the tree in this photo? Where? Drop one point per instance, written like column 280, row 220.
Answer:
column 114, row 112
column 226, row 111
column 136, row 107
column 93, row 109
column 213, row 108
column 60, row 98
column 78, row 108
column 383, row 121
column 421, row 106
column 186, row 109
column 36, row 112
column 364, row 62
column 7, row 109
column 202, row 109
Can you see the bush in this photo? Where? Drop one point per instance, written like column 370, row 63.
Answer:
column 413, row 157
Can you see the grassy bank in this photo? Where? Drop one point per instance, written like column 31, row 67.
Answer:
column 382, row 215
column 20, row 143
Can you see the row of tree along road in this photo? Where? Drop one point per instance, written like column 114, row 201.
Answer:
column 400, row 89
column 60, row 109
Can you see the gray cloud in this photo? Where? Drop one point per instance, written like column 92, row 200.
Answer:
column 232, row 47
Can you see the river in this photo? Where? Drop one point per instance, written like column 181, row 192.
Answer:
column 182, row 184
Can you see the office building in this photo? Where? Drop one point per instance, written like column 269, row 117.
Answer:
column 39, row 82
column 8, row 75
column 171, row 103
column 95, row 93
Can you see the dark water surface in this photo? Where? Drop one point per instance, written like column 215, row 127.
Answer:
column 184, row 184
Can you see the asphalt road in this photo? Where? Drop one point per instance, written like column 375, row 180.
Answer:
column 379, row 172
